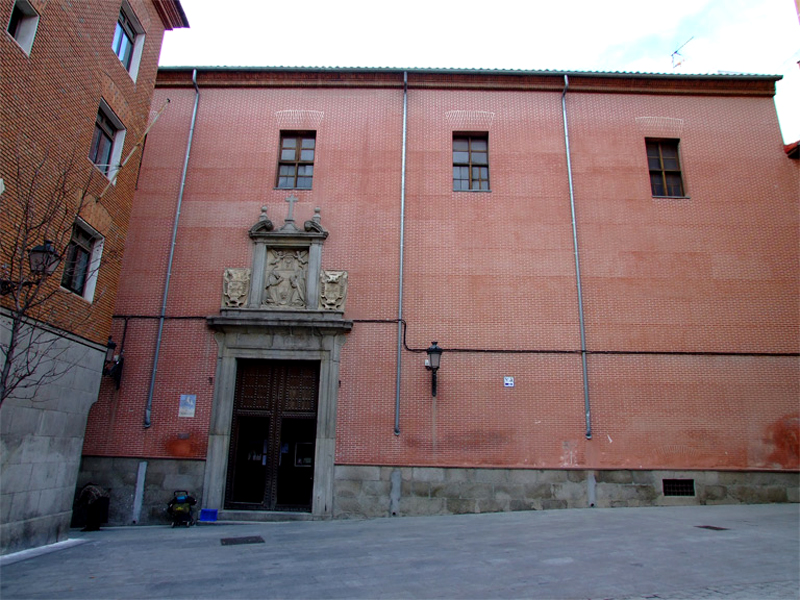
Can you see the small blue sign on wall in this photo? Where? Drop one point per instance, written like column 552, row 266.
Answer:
column 508, row 382
column 187, row 405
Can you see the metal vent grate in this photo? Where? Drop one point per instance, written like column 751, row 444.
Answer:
column 252, row 539
column 678, row 487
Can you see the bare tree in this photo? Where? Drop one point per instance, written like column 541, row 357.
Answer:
column 40, row 206
column 43, row 198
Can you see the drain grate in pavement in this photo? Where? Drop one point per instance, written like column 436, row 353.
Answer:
column 250, row 539
column 712, row 527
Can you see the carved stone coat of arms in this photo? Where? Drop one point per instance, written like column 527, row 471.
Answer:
column 332, row 290
column 235, row 287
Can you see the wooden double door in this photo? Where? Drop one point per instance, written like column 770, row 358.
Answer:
column 273, row 436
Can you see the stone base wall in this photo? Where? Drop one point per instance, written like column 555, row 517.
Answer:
column 162, row 477
column 371, row 491
column 41, row 438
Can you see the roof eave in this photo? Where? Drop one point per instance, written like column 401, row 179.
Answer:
column 461, row 71
column 171, row 14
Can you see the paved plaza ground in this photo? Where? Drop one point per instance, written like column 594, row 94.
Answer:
column 745, row 552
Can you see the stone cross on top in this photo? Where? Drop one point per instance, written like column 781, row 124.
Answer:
column 289, row 221
column 312, row 226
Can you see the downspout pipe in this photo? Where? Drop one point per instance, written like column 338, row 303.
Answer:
column 586, row 404
column 402, row 249
column 162, row 314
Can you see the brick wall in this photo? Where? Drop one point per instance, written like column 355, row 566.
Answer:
column 50, row 102
column 685, row 299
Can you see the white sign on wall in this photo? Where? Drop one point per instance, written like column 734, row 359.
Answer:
column 508, row 381
column 188, row 402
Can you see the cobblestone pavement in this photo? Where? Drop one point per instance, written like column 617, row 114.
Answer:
column 664, row 553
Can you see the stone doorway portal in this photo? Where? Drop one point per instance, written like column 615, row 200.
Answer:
column 273, row 436
column 280, row 332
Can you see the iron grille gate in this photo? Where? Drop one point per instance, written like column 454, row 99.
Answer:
column 273, row 434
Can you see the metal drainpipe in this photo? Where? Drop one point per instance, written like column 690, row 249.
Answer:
column 402, row 247
column 586, row 404
column 148, row 408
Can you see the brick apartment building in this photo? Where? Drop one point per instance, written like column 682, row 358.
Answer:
column 617, row 305
column 76, row 85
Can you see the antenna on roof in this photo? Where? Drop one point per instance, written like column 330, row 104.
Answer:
column 677, row 58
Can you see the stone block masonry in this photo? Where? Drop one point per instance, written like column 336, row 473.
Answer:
column 162, row 478
column 40, row 450
column 370, row 491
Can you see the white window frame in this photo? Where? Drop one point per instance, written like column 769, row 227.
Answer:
column 138, row 42
column 90, row 283
column 26, row 30
column 116, row 145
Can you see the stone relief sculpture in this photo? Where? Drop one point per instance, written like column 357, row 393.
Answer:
column 235, row 287
column 286, row 269
column 332, row 290
column 286, row 278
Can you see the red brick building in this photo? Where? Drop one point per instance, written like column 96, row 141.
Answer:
column 609, row 262
column 76, row 85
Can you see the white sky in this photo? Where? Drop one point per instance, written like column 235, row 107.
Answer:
column 746, row 36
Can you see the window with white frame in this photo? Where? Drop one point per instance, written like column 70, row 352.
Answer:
column 82, row 261
column 128, row 40
column 107, row 140
column 22, row 24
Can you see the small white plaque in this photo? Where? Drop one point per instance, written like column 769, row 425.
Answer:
column 187, row 405
column 508, row 381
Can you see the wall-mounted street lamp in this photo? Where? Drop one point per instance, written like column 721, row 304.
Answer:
column 43, row 261
column 113, row 362
column 433, row 363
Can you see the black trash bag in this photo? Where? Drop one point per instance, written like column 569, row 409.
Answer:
column 91, row 507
